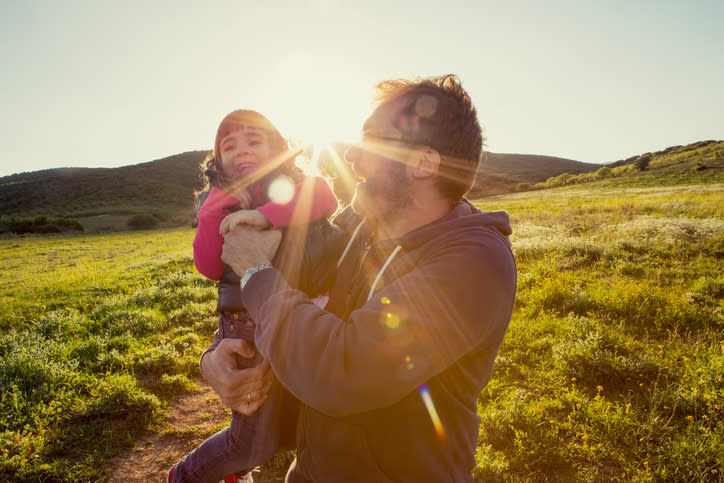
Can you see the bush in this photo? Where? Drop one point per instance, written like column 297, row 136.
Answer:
column 143, row 222
column 38, row 224
column 603, row 172
column 643, row 161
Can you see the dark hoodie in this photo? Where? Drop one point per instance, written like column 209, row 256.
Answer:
column 389, row 375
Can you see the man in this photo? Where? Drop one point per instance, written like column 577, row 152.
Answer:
column 389, row 374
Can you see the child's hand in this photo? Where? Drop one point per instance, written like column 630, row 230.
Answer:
column 253, row 218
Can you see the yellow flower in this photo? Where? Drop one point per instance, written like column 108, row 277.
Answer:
column 573, row 379
column 584, row 437
column 690, row 418
column 600, row 388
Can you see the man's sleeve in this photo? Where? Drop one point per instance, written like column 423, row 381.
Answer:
column 410, row 330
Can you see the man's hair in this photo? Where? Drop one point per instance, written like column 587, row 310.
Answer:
column 437, row 112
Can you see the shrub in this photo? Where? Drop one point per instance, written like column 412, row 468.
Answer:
column 603, row 172
column 143, row 222
column 38, row 224
column 643, row 161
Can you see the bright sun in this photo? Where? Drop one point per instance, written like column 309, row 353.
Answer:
column 318, row 105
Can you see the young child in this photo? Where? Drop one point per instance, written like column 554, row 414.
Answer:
column 251, row 179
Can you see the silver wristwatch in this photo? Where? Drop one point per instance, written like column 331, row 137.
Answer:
column 251, row 271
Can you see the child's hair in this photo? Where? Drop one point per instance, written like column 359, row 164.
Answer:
column 211, row 166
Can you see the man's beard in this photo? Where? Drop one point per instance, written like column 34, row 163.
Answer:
column 385, row 195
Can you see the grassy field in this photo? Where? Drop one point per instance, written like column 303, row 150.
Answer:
column 612, row 367
column 611, row 370
column 98, row 334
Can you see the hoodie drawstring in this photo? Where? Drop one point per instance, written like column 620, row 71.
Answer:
column 349, row 243
column 382, row 270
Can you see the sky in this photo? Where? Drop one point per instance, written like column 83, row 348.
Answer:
column 110, row 83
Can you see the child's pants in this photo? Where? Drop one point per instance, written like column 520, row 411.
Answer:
column 249, row 441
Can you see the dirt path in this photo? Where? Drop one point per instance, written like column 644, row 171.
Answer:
column 191, row 419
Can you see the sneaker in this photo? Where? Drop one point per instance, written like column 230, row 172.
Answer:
column 247, row 478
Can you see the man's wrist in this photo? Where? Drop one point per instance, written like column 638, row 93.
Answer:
column 251, row 271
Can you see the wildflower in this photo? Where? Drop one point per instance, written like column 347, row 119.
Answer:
column 600, row 388
column 573, row 379
column 690, row 418
column 584, row 437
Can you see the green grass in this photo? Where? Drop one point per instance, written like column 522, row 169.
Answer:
column 98, row 333
column 611, row 369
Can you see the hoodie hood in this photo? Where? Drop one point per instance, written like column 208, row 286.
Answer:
column 463, row 217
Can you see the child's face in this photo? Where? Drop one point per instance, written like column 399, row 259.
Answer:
column 243, row 150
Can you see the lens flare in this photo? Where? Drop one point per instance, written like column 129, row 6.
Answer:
column 430, row 406
column 281, row 190
column 385, row 300
column 392, row 320
column 409, row 364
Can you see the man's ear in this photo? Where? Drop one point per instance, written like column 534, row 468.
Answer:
column 427, row 163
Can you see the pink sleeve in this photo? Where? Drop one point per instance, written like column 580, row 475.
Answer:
column 207, row 242
column 313, row 200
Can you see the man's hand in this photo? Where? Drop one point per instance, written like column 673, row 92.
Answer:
column 243, row 390
column 246, row 247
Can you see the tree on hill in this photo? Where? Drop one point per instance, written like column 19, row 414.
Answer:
column 643, row 161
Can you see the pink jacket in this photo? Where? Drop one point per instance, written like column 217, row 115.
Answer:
column 313, row 200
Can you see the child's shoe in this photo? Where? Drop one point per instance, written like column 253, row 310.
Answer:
column 247, row 478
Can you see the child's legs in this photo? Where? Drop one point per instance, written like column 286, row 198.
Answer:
column 249, row 441
column 211, row 461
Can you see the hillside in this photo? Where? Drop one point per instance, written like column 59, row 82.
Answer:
column 501, row 173
column 697, row 163
column 103, row 199
column 163, row 187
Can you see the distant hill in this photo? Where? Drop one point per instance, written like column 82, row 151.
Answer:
column 104, row 198
column 163, row 187
column 501, row 173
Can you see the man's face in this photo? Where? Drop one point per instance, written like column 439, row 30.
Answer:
column 380, row 159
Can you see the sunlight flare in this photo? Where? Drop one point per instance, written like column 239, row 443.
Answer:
column 281, row 190
column 424, row 392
